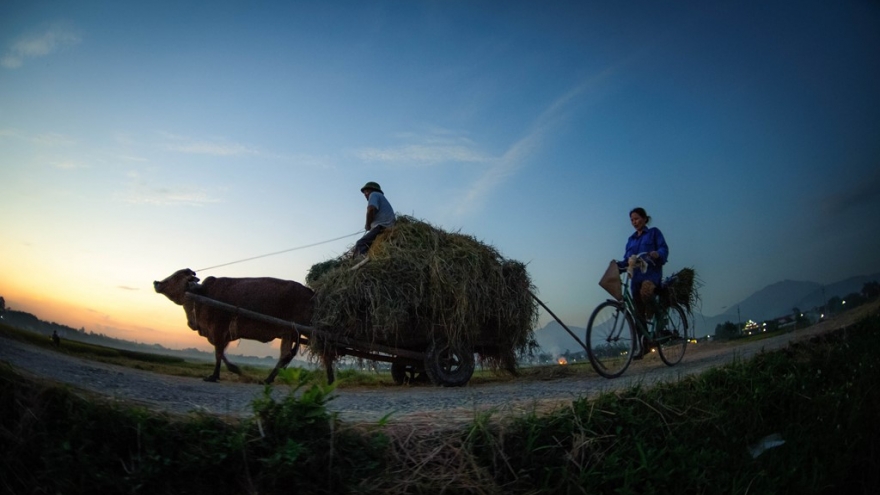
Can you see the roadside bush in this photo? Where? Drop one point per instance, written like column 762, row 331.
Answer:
column 55, row 441
column 819, row 399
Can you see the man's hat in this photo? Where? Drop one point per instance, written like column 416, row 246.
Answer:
column 373, row 186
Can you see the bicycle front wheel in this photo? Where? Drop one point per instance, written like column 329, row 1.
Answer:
column 610, row 339
column 673, row 339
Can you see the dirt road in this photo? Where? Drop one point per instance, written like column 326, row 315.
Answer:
column 406, row 404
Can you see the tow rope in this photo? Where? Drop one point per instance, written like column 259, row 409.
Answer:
column 279, row 252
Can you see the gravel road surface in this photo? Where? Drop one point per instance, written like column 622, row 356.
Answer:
column 404, row 404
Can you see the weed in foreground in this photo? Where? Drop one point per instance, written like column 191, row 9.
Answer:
column 55, row 441
column 695, row 436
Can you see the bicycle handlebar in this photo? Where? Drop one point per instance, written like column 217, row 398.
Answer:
column 647, row 257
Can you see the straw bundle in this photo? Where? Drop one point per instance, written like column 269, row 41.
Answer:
column 680, row 289
column 422, row 283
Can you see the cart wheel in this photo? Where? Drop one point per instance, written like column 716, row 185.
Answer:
column 449, row 366
column 403, row 373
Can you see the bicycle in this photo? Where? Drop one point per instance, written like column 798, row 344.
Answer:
column 612, row 331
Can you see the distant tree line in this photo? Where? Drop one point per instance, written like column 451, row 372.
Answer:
column 31, row 323
column 27, row 321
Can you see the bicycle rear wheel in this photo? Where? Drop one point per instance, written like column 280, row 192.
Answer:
column 610, row 339
column 674, row 337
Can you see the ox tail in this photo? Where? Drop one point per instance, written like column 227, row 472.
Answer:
column 296, row 336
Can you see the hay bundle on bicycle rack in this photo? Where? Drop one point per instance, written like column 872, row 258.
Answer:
column 681, row 289
column 422, row 283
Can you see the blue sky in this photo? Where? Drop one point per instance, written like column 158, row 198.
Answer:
column 137, row 139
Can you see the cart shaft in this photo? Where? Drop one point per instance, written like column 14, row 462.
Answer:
column 350, row 347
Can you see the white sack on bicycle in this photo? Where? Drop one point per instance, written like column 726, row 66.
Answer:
column 636, row 261
column 611, row 281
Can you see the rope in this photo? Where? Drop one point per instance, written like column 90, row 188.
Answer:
column 279, row 252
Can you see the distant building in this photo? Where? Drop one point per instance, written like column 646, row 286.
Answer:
column 751, row 328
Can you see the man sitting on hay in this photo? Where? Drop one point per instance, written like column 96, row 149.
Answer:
column 380, row 216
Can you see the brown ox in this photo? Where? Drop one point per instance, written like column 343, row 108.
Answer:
column 282, row 299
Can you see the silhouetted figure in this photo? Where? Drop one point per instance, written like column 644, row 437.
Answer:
column 380, row 216
column 650, row 241
column 56, row 340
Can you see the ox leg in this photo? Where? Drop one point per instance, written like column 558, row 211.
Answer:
column 288, row 352
column 219, row 355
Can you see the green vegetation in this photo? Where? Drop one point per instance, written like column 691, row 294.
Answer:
column 695, row 436
column 56, row 441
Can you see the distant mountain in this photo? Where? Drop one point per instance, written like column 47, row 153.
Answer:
column 554, row 340
column 771, row 302
column 840, row 289
column 780, row 298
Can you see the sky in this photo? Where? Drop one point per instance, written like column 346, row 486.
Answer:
column 138, row 138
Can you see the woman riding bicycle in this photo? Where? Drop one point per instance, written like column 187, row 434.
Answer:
column 618, row 330
column 645, row 240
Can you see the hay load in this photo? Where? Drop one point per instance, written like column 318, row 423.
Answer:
column 422, row 284
column 681, row 289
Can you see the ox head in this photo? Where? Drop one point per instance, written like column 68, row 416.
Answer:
column 175, row 286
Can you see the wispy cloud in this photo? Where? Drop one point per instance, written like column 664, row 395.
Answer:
column 864, row 194
column 501, row 168
column 431, row 150
column 41, row 43
column 130, row 158
column 518, row 153
column 52, row 139
column 141, row 191
column 69, row 165
column 100, row 314
column 167, row 196
column 214, row 147
column 224, row 147
column 45, row 139
column 441, row 146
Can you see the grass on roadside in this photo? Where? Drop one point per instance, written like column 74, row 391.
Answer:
column 701, row 435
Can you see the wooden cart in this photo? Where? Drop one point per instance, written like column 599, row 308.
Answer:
column 441, row 362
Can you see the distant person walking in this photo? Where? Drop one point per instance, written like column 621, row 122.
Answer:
column 380, row 216
column 56, row 340
column 645, row 240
